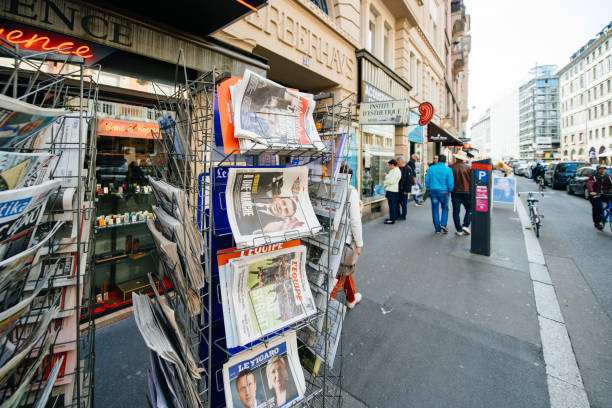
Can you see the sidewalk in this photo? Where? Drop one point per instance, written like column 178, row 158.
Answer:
column 439, row 326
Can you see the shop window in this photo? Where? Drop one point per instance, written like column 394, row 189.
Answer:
column 322, row 4
column 387, row 46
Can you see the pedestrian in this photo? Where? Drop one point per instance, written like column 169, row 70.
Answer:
column 434, row 162
column 391, row 185
column 412, row 163
column 352, row 247
column 439, row 181
column 597, row 184
column 461, row 193
column 405, row 186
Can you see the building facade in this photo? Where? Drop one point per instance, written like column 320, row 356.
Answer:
column 586, row 101
column 539, row 114
column 480, row 135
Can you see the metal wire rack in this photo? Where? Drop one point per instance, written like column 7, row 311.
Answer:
column 56, row 366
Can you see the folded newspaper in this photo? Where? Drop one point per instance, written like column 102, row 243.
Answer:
column 268, row 115
column 267, row 205
column 23, row 169
column 20, row 212
column 268, row 376
column 19, row 120
column 263, row 290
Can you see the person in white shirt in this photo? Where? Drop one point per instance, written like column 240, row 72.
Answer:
column 391, row 185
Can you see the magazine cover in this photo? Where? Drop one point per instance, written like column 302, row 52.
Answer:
column 269, row 292
column 268, row 113
column 23, row 169
column 20, row 120
column 20, row 212
column 266, row 205
column 268, row 376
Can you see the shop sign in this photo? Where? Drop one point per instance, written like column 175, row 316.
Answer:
column 384, row 113
column 122, row 128
column 415, row 132
column 28, row 38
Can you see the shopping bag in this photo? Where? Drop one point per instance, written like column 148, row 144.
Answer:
column 349, row 260
column 416, row 190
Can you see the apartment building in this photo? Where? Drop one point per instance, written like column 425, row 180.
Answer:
column 586, row 101
column 539, row 114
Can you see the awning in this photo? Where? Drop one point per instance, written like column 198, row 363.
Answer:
column 199, row 18
column 437, row 134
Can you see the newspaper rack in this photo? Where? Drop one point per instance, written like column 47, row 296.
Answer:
column 188, row 130
column 48, row 338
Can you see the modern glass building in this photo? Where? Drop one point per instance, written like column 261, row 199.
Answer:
column 539, row 114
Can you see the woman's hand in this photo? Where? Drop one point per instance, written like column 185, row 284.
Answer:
column 358, row 251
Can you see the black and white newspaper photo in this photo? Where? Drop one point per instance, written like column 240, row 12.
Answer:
column 270, row 114
column 19, row 120
column 268, row 292
column 268, row 376
column 267, row 205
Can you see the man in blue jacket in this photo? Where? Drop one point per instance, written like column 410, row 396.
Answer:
column 440, row 182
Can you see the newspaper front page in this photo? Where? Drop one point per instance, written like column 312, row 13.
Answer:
column 19, row 120
column 267, row 205
column 19, row 170
column 268, row 376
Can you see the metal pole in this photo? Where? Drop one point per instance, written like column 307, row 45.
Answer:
column 79, row 236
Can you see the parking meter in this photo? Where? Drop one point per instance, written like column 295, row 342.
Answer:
column 480, row 196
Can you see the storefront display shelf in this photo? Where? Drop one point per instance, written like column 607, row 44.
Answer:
column 117, row 256
column 120, row 225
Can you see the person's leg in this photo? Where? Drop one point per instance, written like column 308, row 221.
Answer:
column 456, row 201
column 390, row 204
column 395, row 204
column 349, row 288
column 403, row 205
column 435, row 209
column 467, row 218
column 337, row 288
column 596, row 210
column 444, row 204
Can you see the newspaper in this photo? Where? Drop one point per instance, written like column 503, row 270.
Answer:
column 268, row 292
column 69, row 135
column 168, row 252
column 154, row 330
column 326, row 166
column 19, row 170
column 328, row 200
column 19, row 120
column 268, row 376
column 44, row 397
column 189, row 250
column 272, row 115
column 20, row 211
column 321, row 338
column 267, row 205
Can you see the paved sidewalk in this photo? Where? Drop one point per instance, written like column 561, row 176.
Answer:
column 439, row 326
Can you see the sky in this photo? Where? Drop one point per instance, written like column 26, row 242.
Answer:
column 509, row 37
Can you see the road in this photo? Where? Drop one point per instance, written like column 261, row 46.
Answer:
column 578, row 259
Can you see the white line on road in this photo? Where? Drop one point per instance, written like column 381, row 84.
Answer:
column 565, row 387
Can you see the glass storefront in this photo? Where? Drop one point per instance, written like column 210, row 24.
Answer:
column 378, row 149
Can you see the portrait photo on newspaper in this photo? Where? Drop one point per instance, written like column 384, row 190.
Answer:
column 268, row 376
column 267, row 205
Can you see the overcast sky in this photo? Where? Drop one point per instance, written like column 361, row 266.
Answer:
column 509, row 37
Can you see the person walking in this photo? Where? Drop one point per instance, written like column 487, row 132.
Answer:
column 439, row 181
column 391, row 185
column 412, row 163
column 406, row 182
column 352, row 248
column 461, row 193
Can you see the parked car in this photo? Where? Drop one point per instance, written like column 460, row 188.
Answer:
column 558, row 173
column 577, row 183
column 520, row 168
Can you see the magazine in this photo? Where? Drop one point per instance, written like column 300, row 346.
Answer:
column 20, row 212
column 272, row 115
column 268, row 376
column 19, row 170
column 19, row 120
column 267, row 205
column 267, row 283
column 269, row 292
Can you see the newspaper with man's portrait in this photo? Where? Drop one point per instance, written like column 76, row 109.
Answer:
column 267, row 205
column 19, row 120
column 268, row 376
column 272, row 115
column 268, row 292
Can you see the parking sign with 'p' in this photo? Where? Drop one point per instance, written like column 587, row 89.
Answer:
column 482, row 175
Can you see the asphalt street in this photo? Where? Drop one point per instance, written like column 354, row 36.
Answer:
column 578, row 259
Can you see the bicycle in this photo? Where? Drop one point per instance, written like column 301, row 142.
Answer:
column 606, row 208
column 534, row 216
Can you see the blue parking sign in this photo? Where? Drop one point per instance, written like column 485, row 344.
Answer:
column 482, row 175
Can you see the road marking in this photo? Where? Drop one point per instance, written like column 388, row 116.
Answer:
column 565, row 387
